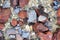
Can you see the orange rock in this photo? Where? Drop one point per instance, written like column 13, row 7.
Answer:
column 23, row 3
column 14, row 22
column 22, row 14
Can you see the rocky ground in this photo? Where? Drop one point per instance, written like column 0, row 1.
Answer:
column 48, row 9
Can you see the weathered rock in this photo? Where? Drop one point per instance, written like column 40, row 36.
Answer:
column 47, row 36
column 39, row 27
column 4, row 15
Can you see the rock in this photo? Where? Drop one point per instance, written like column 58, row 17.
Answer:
column 39, row 27
column 1, row 35
column 2, row 26
column 37, row 11
column 14, row 3
column 58, row 16
column 23, row 3
column 42, row 18
column 14, row 22
column 25, row 34
column 6, row 4
column 18, row 37
column 47, row 36
column 32, row 17
column 4, row 15
column 10, row 31
column 58, row 21
column 22, row 14
column 56, row 34
column 16, row 10
column 58, row 12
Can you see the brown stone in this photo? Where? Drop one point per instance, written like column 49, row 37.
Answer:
column 58, row 16
column 14, row 3
column 47, row 36
column 58, row 12
column 4, row 15
column 21, row 23
column 37, row 11
column 39, row 27
column 1, row 26
column 58, row 20
column 56, row 34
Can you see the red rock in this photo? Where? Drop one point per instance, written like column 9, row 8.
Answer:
column 14, row 22
column 58, row 16
column 4, row 15
column 1, row 26
column 23, row 3
column 56, row 34
column 39, row 27
column 37, row 12
column 47, row 36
